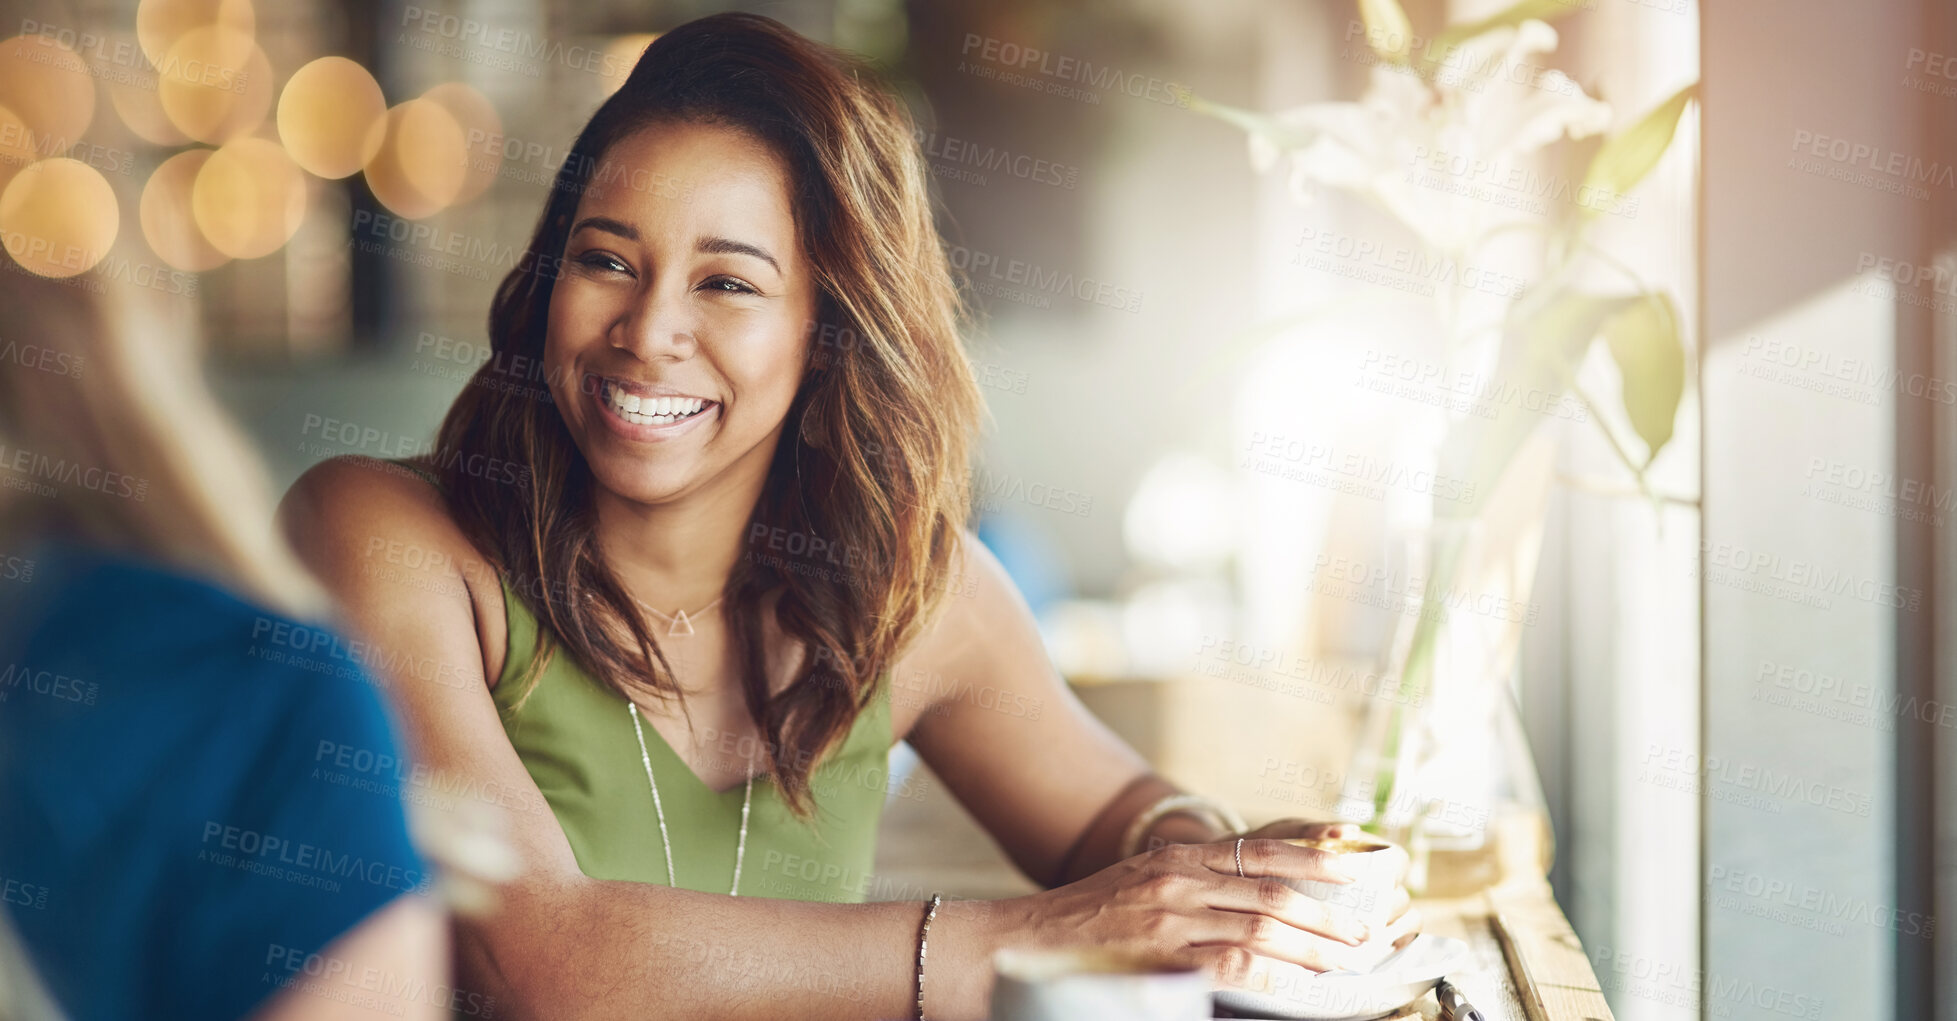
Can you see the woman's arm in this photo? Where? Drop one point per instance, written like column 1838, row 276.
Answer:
column 562, row 945
column 1053, row 785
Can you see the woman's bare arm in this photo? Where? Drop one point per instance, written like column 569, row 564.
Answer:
column 1052, row 784
column 562, row 945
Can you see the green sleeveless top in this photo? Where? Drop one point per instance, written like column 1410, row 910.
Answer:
column 575, row 738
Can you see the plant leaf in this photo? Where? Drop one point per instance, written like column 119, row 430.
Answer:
column 1284, row 137
column 1547, row 334
column 1622, row 161
column 1523, row 10
column 1387, row 29
column 1644, row 341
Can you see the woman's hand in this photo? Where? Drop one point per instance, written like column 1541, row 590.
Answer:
column 1185, row 906
column 1404, row 920
column 1299, row 829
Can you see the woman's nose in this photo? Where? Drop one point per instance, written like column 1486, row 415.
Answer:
column 659, row 323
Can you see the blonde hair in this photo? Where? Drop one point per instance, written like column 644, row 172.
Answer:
column 109, row 433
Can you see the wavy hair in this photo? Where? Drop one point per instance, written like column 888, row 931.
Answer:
column 874, row 457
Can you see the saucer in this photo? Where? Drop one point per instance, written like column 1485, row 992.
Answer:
column 1284, row 990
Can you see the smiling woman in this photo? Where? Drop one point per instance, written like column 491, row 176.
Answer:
column 745, row 198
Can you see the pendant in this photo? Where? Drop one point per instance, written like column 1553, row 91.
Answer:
column 681, row 626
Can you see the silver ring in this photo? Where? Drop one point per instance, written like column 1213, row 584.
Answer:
column 1240, row 858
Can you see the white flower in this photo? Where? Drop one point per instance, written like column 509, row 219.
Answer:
column 1432, row 154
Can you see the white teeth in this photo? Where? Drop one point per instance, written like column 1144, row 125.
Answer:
column 651, row 410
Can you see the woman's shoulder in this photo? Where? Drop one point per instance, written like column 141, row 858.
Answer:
column 364, row 515
column 380, row 534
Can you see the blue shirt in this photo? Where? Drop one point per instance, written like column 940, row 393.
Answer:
column 196, row 795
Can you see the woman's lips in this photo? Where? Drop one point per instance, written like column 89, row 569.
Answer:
column 615, row 418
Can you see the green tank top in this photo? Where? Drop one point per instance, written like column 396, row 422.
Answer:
column 575, row 738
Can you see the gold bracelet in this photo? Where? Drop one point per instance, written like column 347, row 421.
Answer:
column 1189, row 804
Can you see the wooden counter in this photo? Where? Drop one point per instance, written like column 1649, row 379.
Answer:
column 1528, row 965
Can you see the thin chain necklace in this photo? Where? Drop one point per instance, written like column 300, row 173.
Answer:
column 680, row 626
column 665, row 841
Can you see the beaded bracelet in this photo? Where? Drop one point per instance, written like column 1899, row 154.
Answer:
column 923, row 931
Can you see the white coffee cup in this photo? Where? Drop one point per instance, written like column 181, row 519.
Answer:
column 1066, row 985
column 1368, row 900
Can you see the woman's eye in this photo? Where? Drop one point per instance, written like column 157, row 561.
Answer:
column 600, row 260
column 728, row 285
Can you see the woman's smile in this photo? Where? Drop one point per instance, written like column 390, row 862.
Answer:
column 645, row 413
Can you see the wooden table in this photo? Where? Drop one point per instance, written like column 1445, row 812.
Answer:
column 1528, row 965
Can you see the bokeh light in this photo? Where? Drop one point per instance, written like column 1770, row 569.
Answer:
column 249, row 198
column 422, row 160
column 482, row 135
column 169, row 222
column 216, row 84
column 160, row 23
column 16, row 145
column 58, row 217
column 133, row 91
column 331, row 117
column 49, row 90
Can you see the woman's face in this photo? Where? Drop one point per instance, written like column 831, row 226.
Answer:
column 678, row 326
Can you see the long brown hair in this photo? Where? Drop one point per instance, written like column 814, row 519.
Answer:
column 875, row 452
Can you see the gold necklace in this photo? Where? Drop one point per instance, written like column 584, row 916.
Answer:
column 666, row 841
column 679, row 626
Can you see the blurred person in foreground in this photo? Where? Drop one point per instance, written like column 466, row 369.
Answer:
column 701, row 522
column 170, row 844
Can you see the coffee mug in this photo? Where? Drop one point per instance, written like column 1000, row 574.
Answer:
column 1376, row 867
column 1067, row 985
